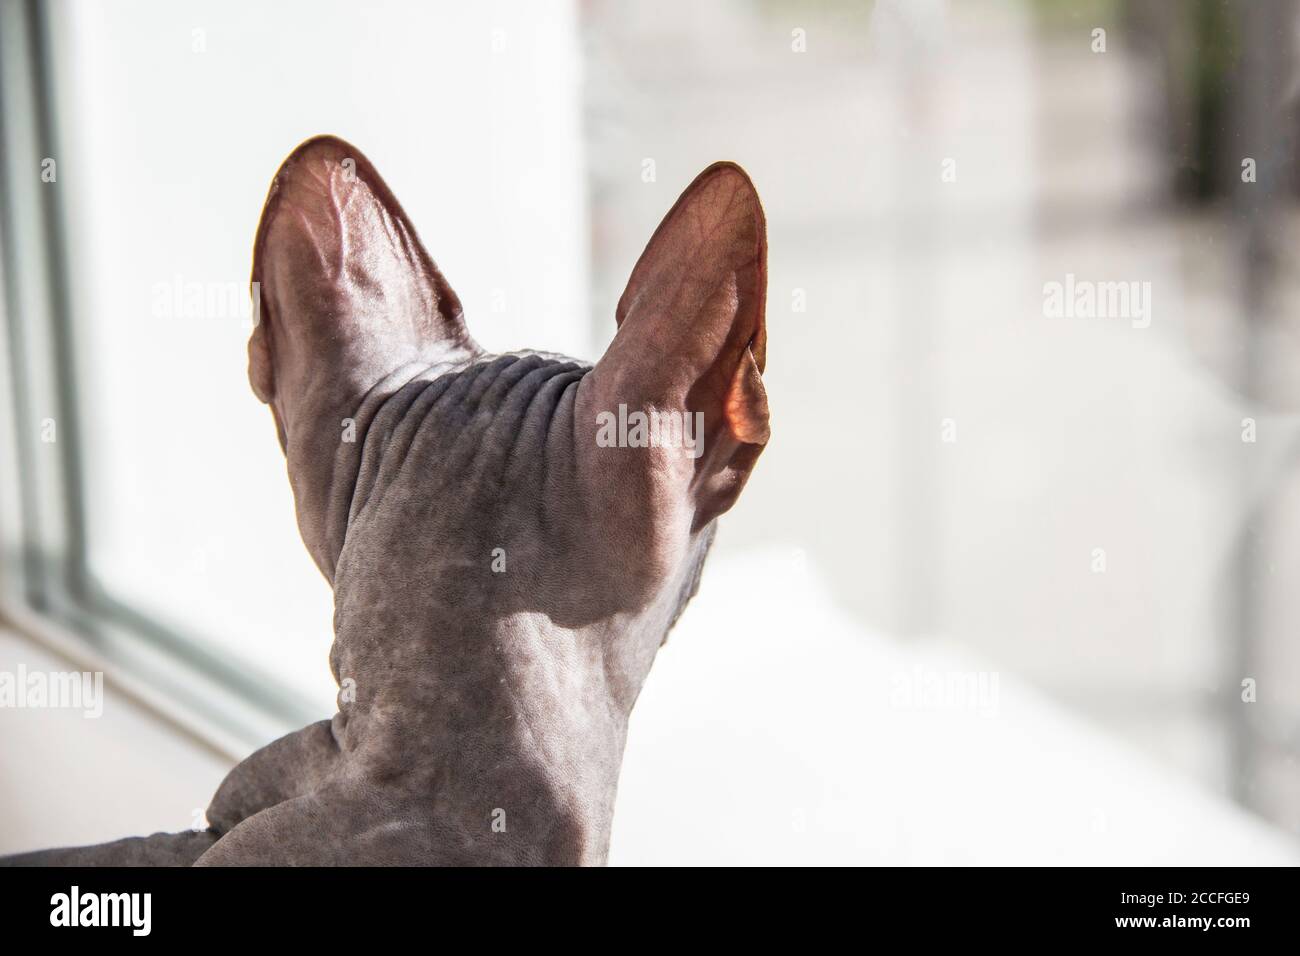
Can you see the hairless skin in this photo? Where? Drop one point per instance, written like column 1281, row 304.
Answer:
column 502, row 582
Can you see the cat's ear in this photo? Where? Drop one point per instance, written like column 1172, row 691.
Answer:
column 346, row 297
column 345, row 291
column 692, row 332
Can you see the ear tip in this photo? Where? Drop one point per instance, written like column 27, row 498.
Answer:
column 726, row 182
column 322, row 145
column 732, row 174
column 728, row 167
column 320, row 152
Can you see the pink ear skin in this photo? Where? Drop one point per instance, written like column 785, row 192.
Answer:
column 348, row 293
column 692, row 332
column 746, row 407
column 349, row 299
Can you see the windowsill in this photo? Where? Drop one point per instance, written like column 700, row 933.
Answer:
column 221, row 722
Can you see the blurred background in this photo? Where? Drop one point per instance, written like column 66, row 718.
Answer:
column 1012, row 583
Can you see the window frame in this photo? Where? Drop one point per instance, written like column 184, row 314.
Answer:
column 47, row 591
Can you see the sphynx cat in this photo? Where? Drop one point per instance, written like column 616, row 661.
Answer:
column 502, row 579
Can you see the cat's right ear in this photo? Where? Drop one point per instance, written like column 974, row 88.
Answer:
column 692, row 336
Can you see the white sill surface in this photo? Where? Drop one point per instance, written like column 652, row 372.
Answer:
column 67, row 779
column 771, row 730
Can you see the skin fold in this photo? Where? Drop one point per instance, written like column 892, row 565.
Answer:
column 502, row 581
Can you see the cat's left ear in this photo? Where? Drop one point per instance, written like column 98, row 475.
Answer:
column 347, row 296
column 347, row 293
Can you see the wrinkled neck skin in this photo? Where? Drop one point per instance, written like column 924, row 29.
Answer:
column 487, row 642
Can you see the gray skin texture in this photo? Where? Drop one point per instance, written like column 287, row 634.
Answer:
column 486, row 710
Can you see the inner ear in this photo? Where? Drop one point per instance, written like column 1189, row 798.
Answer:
column 713, row 242
column 691, row 324
column 692, row 338
column 345, row 291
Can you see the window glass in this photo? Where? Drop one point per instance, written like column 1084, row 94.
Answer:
column 172, row 120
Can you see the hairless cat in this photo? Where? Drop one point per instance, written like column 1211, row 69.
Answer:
column 503, row 574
